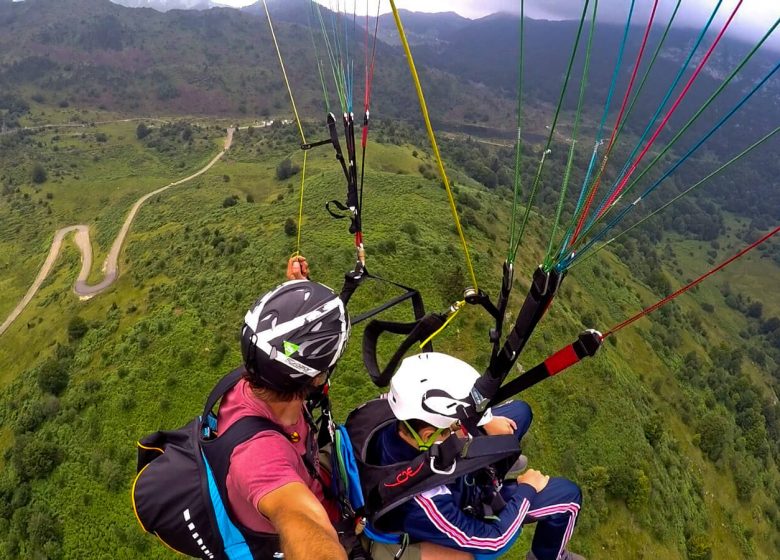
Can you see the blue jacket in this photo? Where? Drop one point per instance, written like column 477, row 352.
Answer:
column 436, row 516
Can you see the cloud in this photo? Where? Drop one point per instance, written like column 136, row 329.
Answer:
column 753, row 19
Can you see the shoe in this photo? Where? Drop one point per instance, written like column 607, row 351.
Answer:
column 517, row 468
column 567, row 555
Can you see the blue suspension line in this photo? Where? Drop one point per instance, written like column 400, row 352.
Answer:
column 599, row 133
column 652, row 120
column 565, row 263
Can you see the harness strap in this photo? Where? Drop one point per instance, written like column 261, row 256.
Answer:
column 543, row 289
column 585, row 346
column 415, row 332
column 222, row 387
column 334, row 139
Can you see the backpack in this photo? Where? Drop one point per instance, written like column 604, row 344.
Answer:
column 180, row 493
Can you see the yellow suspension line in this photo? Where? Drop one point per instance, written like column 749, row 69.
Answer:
column 297, row 121
column 432, row 137
column 454, row 310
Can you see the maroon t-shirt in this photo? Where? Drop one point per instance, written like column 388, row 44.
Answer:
column 264, row 463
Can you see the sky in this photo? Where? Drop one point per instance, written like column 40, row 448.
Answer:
column 754, row 18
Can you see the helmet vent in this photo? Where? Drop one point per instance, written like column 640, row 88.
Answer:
column 316, row 327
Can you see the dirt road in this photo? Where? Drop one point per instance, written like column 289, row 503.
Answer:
column 110, row 266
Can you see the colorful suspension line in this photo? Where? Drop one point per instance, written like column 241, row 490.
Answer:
column 599, row 133
column 320, row 71
column 548, row 259
column 718, row 171
column 611, row 144
column 690, row 285
column 297, row 121
column 687, row 125
column 369, row 79
column 547, row 150
column 652, row 120
column 334, row 56
column 432, row 138
column 671, row 88
column 621, row 185
column 619, row 217
column 663, row 102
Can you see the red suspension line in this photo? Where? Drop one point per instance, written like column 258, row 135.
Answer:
column 687, row 287
column 611, row 143
column 677, row 102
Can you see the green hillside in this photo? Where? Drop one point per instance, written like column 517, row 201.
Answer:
column 672, row 430
column 660, row 428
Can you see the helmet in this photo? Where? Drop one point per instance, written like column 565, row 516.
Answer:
column 431, row 387
column 292, row 334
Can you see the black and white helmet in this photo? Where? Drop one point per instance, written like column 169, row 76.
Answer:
column 292, row 334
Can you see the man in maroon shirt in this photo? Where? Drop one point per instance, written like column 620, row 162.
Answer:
column 291, row 339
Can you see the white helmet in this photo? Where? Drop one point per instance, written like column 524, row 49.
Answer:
column 431, row 387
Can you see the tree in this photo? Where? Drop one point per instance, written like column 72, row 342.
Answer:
column 36, row 458
column 53, row 377
column 714, row 433
column 39, row 174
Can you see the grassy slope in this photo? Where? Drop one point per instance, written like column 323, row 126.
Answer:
column 182, row 292
column 90, row 183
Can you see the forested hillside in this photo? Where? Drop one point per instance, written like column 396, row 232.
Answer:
column 672, row 430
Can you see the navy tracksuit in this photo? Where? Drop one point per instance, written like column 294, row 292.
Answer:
column 436, row 516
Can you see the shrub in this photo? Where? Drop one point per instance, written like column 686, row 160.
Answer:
column 101, row 137
column 142, row 131
column 229, row 201
column 286, row 169
column 290, row 227
column 713, row 431
column 411, row 229
column 39, row 174
column 77, row 328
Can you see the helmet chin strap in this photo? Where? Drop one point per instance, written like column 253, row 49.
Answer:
column 423, row 445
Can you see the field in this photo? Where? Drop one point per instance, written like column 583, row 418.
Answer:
column 629, row 425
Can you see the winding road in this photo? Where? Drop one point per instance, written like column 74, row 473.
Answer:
column 110, row 267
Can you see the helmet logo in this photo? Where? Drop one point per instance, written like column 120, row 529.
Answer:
column 440, row 402
column 290, row 348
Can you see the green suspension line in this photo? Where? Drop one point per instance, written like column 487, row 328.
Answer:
column 518, row 145
column 332, row 57
column 642, row 82
column 547, row 150
column 319, row 61
column 548, row 258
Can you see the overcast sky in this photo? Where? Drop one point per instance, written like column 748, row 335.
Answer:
column 754, row 18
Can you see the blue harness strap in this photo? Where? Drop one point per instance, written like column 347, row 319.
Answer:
column 348, row 468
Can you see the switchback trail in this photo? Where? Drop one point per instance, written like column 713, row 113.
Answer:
column 110, row 267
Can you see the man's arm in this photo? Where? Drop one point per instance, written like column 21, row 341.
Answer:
column 302, row 523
